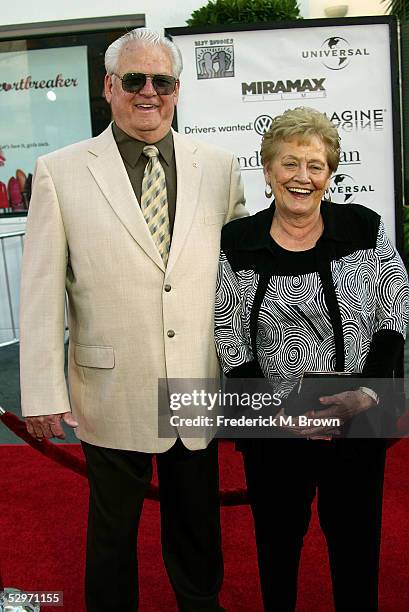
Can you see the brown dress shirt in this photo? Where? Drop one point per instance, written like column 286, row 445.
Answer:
column 135, row 162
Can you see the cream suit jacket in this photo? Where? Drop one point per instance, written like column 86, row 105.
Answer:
column 86, row 235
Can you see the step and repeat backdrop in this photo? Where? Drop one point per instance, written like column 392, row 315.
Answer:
column 234, row 82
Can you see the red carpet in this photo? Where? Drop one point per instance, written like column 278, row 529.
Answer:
column 43, row 521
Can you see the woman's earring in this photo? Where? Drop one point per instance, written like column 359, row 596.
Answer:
column 268, row 194
column 327, row 195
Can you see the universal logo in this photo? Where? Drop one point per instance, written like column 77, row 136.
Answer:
column 344, row 188
column 335, row 53
column 214, row 59
column 283, row 89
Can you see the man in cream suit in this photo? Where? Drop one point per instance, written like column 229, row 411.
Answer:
column 140, row 308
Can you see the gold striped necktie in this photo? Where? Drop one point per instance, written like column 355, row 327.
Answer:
column 154, row 201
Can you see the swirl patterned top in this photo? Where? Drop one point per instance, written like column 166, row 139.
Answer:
column 297, row 323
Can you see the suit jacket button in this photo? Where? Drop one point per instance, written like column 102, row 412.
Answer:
column 171, row 333
column 167, row 288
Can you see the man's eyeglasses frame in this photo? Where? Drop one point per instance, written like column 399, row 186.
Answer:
column 133, row 82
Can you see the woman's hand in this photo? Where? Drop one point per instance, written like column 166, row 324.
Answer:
column 298, row 426
column 343, row 406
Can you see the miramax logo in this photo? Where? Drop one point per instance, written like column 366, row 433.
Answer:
column 283, row 89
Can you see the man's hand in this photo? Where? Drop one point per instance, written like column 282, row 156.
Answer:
column 49, row 425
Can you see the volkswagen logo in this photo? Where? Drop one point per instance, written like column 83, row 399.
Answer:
column 262, row 124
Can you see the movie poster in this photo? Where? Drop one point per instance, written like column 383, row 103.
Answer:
column 44, row 105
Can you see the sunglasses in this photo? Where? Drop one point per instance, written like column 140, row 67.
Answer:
column 133, row 82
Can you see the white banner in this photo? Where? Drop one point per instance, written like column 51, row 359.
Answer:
column 233, row 83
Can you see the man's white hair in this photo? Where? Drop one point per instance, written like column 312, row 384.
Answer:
column 145, row 37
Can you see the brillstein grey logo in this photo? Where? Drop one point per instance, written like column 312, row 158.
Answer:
column 335, row 53
column 344, row 188
column 262, row 124
column 215, row 62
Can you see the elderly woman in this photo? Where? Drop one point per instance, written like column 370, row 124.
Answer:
column 309, row 285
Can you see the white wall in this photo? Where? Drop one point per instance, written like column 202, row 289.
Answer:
column 356, row 8
column 159, row 13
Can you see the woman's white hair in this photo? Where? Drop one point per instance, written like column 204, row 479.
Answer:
column 145, row 37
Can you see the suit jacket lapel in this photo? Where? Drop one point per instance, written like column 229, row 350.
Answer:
column 108, row 170
column 189, row 173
